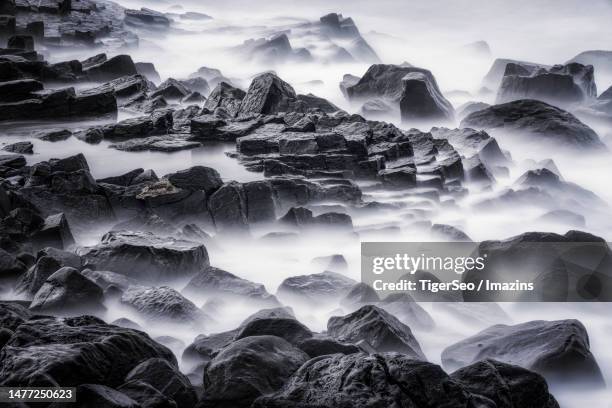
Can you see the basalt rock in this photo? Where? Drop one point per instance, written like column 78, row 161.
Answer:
column 268, row 94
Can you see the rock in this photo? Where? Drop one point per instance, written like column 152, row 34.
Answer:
column 334, row 263
column 163, row 304
column 505, row 385
column 14, row 161
column 56, row 135
column 197, row 178
column 55, row 232
column 139, row 127
column 313, row 102
column 20, row 147
column 421, row 99
column 68, row 291
column 164, row 143
column 171, row 89
column 145, row 256
column 146, row 17
column 48, row 262
column 566, row 217
column 376, row 327
column 469, row 107
column 194, row 97
column 560, row 84
column 359, row 295
column 348, row 80
column 107, row 279
column 316, row 288
column 449, row 233
column 97, row 395
column 78, row 350
column 368, row 381
column 606, row 95
column 559, row 350
column 540, row 119
column 147, row 69
column 113, row 68
column 249, row 368
column 212, row 281
column 196, row 84
column 13, row 314
column 167, row 379
column 377, row 108
column 286, row 328
column 225, row 96
column 128, row 324
column 268, row 94
column 129, row 86
column 13, row 91
column 23, row 42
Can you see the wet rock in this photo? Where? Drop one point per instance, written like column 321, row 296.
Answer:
column 163, row 304
column 320, row 346
column 560, row 84
column 493, row 78
column 147, row 69
column 68, row 291
column 249, row 368
column 559, row 350
column 20, row 147
column 113, row 68
column 197, row 178
column 505, row 385
column 539, row 119
column 164, row 143
column 358, row 380
column 348, row 80
column 55, row 232
column 23, row 42
column 317, row 288
column 145, row 256
column 14, row 161
column 216, row 282
column 421, row 99
column 313, row 102
column 171, row 89
column 107, row 279
column 12, row 91
column 48, row 261
column 268, row 94
column 13, row 314
column 56, row 135
column 128, row 324
column 166, row 378
column 225, row 96
column 47, row 351
column 194, row 97
column 286, row 328
column 146, row 395
column 378, row 328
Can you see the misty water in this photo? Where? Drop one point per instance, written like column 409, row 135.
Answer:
column 428, row 34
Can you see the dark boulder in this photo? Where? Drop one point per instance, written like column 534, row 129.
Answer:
column 146, row 17
column 113, row 68
column 546, row 122
column 19, row 90
column 378, row 329
column 46, row 351
column 268, row 94
column 505, row 385
column 559, row 350
column 247, row 369
column 20, row 148
column 368, row 381
column 146, row 256
column 320, row 346
column 147, row 69
column 96, row 395
column 286, row 328
column 197, row 178
column 163, row 304
column 22, row 42
column 422, row 100
column 67, row 291
column 167, row 379
column 225, row 96
column 49, row 261
column 171, row 89
column 493, row 78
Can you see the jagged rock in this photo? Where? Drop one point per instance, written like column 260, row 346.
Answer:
column 20, row 147
column 107, row 280
column 129, row 86
column 55, row 232
column 146, row 17
column 147, row 69
column 368, row 381
column 48, row 352
column 67, row 291
column 268, row 94
column 12, row 91
column 559, row 350
column 196, row 84
column 139, row 127
column 421, row 99
column 600, row 59
column 225, row 96
column 249, row 368
column 314, row 102
column 171, row 89
column 318, row 288
column 560, row 84
column 167, row 379
column 348, row 80
column 113, row 68
column 56, row 135
column 378, row 328
column 163, row 304
column 335, row 26
column 48, row 261
column 197, row 178
column 145, row 256
column 540, row 119
column 194, row 97
column 286, row 328
column 216, row 282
